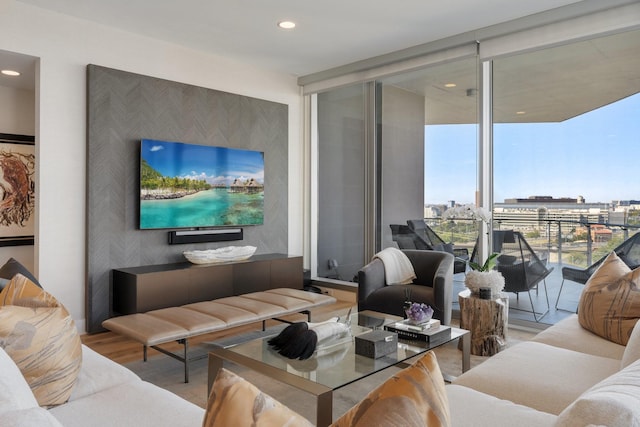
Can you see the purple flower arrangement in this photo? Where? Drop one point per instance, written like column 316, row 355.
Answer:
column 419, row 312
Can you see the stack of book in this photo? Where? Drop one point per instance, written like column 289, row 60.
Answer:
column 431, row 332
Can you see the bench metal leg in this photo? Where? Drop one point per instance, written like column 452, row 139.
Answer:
column 184, row 358
column 186, row 361
column 307, row 312
column 144, row 353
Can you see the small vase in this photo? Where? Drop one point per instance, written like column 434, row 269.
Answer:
column 484, row 293
column 476, row 280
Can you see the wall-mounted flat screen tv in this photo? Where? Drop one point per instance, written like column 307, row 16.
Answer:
column 192, row 186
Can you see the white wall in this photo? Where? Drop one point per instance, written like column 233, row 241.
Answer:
column 65, row 46
column 17, row 115
column 17, row 112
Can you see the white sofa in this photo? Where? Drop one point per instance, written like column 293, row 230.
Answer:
column 105, row 394
column 535, row 383
column 565, row 376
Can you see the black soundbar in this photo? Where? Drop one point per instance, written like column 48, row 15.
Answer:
column 202, row 236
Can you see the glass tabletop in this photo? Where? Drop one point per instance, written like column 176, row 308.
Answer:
column 335, row 363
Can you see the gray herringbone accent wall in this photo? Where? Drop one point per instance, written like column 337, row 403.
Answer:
column 124, row 108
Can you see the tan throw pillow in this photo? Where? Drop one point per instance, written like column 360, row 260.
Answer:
column 414, row 397
column 236, row 402
column 41, row 337
column 610, row 302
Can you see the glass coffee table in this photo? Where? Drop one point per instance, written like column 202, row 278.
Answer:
column 331, row 367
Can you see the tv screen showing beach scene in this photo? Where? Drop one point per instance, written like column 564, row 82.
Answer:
column 191, row 186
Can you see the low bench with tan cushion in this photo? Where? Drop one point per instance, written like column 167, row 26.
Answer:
column 181, row 323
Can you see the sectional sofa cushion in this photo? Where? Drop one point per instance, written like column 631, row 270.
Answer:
column 99, row 373
column 613, row 402
column 414, row 397
column 135, row 403
column 236, row 402
column 41, row 337
column 15, row 393
column 632, row 351
column 567, row 333
column 537, row 375
column 470, row 407
column 37, row 416
column 609, row 305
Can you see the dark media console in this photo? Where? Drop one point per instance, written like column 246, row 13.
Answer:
column 140, row 289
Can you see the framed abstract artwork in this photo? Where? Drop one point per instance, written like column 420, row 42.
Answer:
column 17, row 189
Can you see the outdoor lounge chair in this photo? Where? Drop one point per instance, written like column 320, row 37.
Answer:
column 521, row 268
column 628, row 251
column 417, row 235
column 425, row 232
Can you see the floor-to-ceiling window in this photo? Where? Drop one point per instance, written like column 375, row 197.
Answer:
column 540, row 89
column 341, row 197
column 566, row 127
column 430, row 136
column 419, row 131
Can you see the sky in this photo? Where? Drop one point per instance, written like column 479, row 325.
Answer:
column 595, row 155
column 213, row 164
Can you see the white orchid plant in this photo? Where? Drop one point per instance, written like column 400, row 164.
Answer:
column 468, row 211
column 481, row 275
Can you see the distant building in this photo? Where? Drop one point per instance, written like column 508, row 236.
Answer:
column 434, row 211
column 537, row 212
column 544, row 199
column 627, row 202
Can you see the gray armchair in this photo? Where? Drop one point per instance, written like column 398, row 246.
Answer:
column 433, row 285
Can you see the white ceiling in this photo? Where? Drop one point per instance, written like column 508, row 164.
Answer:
column 329, row 33
column 332, row 33
column 24, row 64
column 549, row 85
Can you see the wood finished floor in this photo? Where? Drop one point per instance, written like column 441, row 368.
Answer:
column 123, row 350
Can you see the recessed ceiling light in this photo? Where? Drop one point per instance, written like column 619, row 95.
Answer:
column 10, row 73
column 450, row 85
column 521, row 112
column 287, row 25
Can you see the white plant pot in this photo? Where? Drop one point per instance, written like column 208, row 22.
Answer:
column 475, row 280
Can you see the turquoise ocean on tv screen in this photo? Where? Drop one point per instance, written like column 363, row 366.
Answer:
column 204, row 209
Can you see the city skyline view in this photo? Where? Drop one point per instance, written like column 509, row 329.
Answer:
column 592, row 155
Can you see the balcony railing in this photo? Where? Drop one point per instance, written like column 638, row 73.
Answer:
column 560, row 241
column 565, row 242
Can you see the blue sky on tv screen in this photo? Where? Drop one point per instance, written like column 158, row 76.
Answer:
column 216, row 165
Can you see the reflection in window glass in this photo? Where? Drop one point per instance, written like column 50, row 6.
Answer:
column 341, row 134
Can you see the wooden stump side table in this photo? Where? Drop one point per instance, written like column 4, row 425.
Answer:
column 487, row 319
